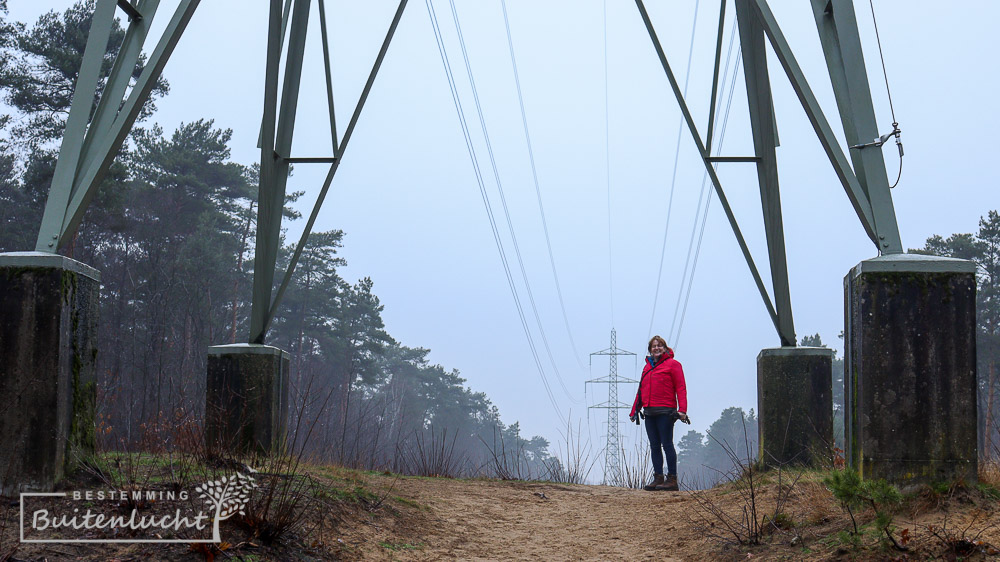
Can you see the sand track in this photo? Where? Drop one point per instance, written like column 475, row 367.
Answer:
column 491, row 520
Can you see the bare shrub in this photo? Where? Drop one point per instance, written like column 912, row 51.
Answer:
column 435, row 455
column 125, row 470
column 278, row 505
column 506, row 463
column 960, row 542
column 959, row 539
column 636, row 468
column 748, row 522
column 573, row 464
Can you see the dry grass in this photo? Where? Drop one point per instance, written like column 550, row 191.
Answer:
column 989, row 473
column 811, row 502
column 351, row 514
column 324, row 501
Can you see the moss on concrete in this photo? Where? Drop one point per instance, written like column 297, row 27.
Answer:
column 911, row 359
column 246, row 402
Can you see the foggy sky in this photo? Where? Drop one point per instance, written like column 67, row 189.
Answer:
column 407, row 198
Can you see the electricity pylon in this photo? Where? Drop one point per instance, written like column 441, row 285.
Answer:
column 612, row 449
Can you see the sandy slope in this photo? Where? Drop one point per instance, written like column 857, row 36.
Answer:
column 495, row 520
column 410, row 518
column 491, row 520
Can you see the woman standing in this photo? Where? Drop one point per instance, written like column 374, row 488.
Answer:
column 662, row 396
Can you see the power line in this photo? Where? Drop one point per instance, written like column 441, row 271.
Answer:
column 701, row 196
column 882, row 57
column 704, row 218
column 485, row 197
column 895, row 124
column 534, row 175
column 673, row 179
column 503, row 201
column 607, row 169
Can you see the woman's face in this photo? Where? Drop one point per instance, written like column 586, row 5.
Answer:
column 657, row 349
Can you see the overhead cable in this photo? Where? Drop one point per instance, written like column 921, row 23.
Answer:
column 486, row 202
column 538, row 193
column 895, row 124
column 701, row 196
column 704, row 217
column 673, row 179
column 503, row 201
column 607, row 170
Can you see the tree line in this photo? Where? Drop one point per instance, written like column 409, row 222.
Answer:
column 172, row 231
column 982, row 248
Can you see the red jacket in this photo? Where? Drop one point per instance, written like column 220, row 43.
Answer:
column 661, row 385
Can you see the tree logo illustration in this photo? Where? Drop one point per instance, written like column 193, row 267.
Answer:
column 228, row 496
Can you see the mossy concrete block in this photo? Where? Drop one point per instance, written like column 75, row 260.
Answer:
column 48, row 351
column 795, row 405
column 910, row 376
column 246, row 407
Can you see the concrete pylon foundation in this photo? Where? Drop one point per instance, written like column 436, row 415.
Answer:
column 48, row 350
column 795, row 406
column 246, row 407
column 910, row 369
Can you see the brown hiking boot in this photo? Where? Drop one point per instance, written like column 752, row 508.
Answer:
column 669, row 484
column 655, row 484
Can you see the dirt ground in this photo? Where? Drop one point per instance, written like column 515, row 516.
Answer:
column 490, row 520
column 495, row 520
column 375, row 516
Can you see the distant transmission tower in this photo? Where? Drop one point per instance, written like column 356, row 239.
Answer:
column 612, row 450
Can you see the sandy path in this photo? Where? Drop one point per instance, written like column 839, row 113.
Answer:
column 486, row 520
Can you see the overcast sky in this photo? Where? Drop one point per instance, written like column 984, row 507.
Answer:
column 408, row 199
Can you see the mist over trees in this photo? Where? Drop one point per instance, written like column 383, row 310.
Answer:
column 172, row 232
column 983, row 248
column 702, row 460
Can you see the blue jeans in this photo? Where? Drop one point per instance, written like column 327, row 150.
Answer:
column 660, row 430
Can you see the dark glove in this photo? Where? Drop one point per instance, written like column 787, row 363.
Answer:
column 634, row 418
column 684, row 418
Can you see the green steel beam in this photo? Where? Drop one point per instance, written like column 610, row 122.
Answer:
column 290, row 270
column 762, row 124
column 286, row 279
column 312, row 160
column 371, row 77
column 273, row 166
column 61, row 189
column 134, row 13
column 715, row 78
column 284, row 21
column 109, row 144
column 281, row 43
column 268, row 164
column 715, row 159
column 824, row 132
column 838, row 32
column 835, row 65
column 708, row 165
column 117, row 84
column 327, row 70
